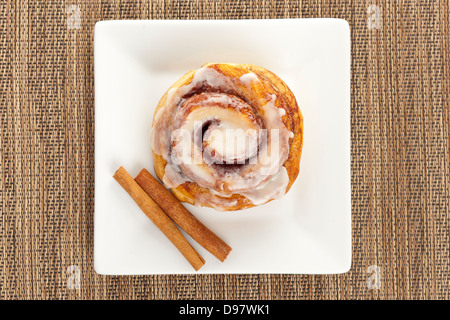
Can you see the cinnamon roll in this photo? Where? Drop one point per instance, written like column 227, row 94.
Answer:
column 227, row 136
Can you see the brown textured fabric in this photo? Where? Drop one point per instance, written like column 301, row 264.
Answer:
column 400, row 152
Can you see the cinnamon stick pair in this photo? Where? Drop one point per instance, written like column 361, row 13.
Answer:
column 165, row 211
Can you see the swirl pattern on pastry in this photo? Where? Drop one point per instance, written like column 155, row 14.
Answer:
column 227, row 136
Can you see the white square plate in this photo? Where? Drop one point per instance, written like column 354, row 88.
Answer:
column 308, row 230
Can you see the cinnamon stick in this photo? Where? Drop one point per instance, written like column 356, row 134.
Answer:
column 159, row 218
column 181, row 216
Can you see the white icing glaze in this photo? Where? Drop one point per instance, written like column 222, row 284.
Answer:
column 218, row 203
column 172, row 177
column 275, row 188
column 231, row 145
column 248, row 78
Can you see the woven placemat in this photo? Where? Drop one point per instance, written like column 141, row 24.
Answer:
column 400, row 152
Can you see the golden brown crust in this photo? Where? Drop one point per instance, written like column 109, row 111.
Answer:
column 293, row 120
